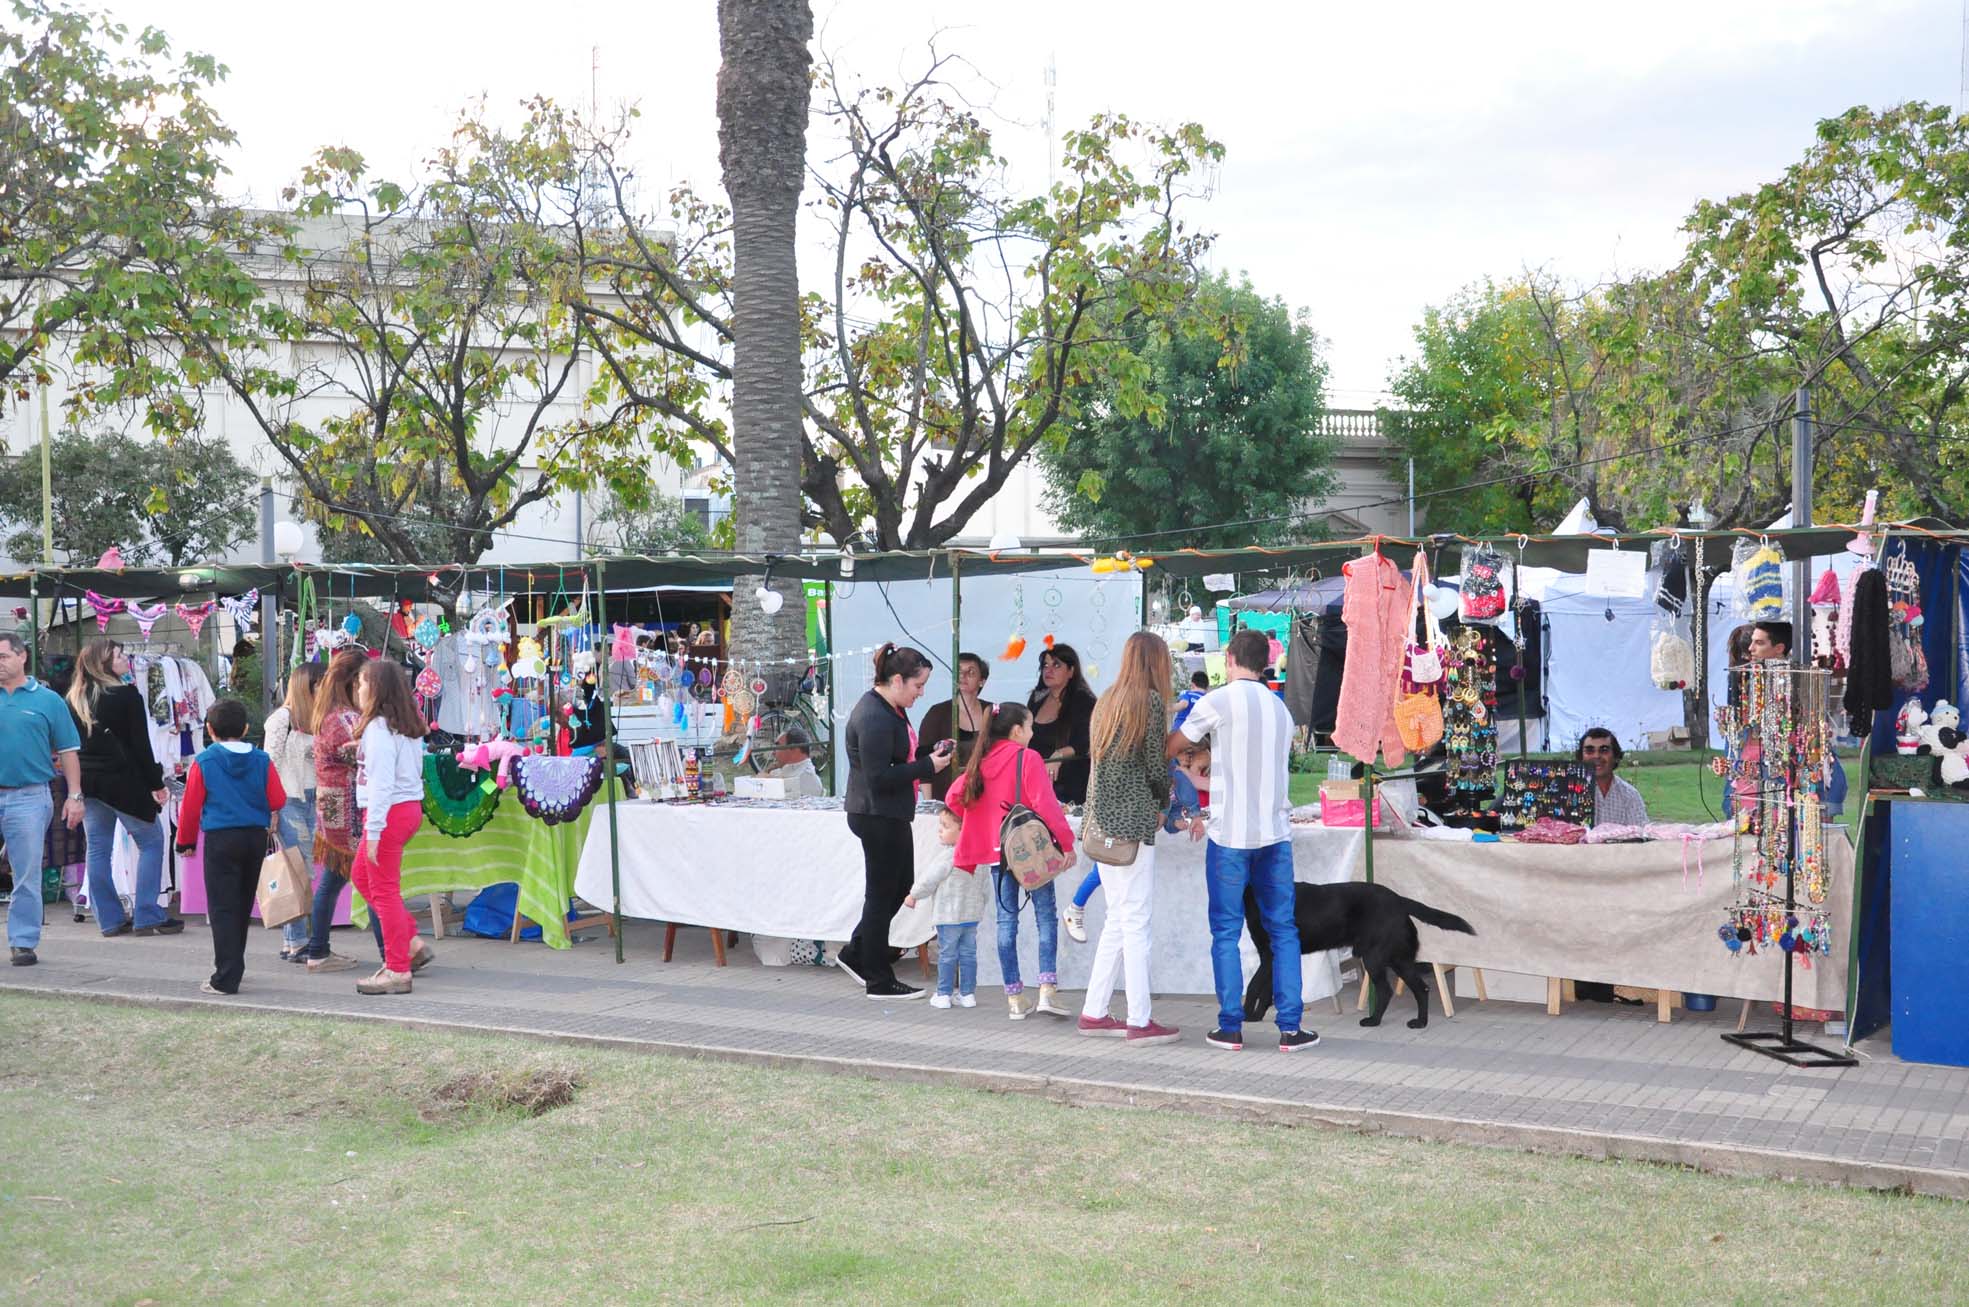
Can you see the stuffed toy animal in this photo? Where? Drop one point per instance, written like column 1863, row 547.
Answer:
column 1944, row 718
column 491, row 755
column 1908, row 726
column 1954, row 751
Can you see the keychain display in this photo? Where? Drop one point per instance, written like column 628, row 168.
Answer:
column 1561, row 791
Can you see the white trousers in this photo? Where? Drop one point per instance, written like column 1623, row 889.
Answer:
column 1124, row 945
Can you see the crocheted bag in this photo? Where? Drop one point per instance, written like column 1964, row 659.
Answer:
column 1419, row 718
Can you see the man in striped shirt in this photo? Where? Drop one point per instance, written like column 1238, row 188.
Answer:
column 1249, row 735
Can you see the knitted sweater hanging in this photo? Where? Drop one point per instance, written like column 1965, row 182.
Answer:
column 1869, row 678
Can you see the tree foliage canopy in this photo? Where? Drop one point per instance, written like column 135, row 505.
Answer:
column 159, row 503
column 1848, row 274
column 1225, row 443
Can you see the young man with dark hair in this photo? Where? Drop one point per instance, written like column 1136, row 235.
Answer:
column 1770, row 641
column 1615, row 802
column 1250, row 739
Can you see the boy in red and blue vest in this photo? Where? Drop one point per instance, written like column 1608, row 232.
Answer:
column 232, row 792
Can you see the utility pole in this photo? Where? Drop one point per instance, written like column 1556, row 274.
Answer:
column 47, row 485
column 1801, row 516
column 1411, row 499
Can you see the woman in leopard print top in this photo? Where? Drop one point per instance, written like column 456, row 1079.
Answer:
column 1125, row 802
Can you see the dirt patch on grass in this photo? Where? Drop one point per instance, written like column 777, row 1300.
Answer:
column 530, row 1093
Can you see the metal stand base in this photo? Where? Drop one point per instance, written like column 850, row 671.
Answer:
column 1792, row 1052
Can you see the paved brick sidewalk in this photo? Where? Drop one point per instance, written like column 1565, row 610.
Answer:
column 1596, row 1081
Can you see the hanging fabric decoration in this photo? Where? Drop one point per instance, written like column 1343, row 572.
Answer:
column 194, row 615
column 352, row 625
column 105, row 608
column 456, row 801
column 1761, row 583
column 147, row 618
column 1869, row 673
column 556, row 789
column 244, row 610
column 1671, row 658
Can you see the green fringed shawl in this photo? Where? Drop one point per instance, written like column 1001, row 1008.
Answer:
column 456, row 801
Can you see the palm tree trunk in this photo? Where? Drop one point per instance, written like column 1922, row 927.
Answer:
column 762, row 144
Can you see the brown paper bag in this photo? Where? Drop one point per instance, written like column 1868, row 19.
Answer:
column 284, row 892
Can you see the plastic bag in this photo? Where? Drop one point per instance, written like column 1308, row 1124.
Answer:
column 1671, row 657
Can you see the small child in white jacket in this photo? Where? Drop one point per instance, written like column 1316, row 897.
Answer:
column 958, row 907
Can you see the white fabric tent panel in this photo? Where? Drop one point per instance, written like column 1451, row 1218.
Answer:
column 1094, row 614
column 1597, row 672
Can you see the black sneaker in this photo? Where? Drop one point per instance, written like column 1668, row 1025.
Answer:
column 894, row 990
column 123, row 929
column 1230, row 1039
column 24, row 957
column 168, row 926
column 1291, row 1041
column 853, row 975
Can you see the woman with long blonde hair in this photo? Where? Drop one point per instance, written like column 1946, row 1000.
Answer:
column 122, row 785
column 290, row 743
column 1126, row 795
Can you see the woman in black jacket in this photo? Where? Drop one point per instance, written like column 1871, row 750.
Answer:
column 883, row 773
column 122, row 784
column 1062, row 707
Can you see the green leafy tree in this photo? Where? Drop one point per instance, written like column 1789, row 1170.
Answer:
column 171, row 503
column 417, row 365
column 662, row 526
column 1223, row 443
column 109, row 199
column 1849, row 274
column 959, row 318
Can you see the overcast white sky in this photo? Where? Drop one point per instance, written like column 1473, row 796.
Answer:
column 1377, row 160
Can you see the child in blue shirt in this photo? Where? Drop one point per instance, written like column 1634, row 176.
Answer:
column 231, row 793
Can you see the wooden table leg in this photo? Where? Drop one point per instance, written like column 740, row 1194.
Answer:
column 1482, row 997
column 1552, row 991
column 669, row 939
column 718, row 945
column 1664, row 1005
column 1743, row 1016
column 1442, row 988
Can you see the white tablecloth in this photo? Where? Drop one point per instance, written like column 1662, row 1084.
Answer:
column 798, row 874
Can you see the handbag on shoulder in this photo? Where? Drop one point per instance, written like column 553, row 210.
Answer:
column 1108, row 850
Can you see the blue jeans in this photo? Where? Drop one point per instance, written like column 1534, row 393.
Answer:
column 99, row 823
column 24, row 816
column 957, row 958
column 297, row 832
column 1046, row 914
column 1268, row 873
column 1088, row 886
column 1183, row 799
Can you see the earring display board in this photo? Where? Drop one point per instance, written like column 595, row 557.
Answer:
column 1559, row 790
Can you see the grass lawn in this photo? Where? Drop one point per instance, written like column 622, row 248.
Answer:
column 198, row 1157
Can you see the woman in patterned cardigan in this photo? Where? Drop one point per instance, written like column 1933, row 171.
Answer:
column 335, row 805
column 1130, row 786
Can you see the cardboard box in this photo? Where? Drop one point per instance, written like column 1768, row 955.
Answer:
column 1340, row 789
column 1675, row 737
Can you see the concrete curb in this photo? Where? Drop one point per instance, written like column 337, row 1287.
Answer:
column 1721, row 1159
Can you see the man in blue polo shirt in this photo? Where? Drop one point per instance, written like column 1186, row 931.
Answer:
column 35, row 730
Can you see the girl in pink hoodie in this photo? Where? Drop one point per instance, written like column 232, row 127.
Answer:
column 1001, row 768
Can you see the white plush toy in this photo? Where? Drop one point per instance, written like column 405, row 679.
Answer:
column 1955, row 759
column 1907, row 727
column 1944, row 718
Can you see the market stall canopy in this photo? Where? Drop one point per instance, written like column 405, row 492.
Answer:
column 644, row 572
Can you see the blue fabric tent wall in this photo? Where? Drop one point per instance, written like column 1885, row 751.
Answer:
column 1944, row 572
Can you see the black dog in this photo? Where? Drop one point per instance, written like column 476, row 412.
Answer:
column 1372, row 920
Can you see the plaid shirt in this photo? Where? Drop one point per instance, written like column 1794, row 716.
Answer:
column 1621, row 805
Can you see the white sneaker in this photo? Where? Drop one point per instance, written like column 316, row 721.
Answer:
column 1049, row 1002
column 940, row 1000
column 1075, row 920
column 967, row 1000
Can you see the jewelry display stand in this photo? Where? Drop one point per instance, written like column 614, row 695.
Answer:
column 1783, row 711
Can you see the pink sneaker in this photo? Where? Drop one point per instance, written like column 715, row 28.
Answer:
column 1153, row 1034
column 1102, row 1026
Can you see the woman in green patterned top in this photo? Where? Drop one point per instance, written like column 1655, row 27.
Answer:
column 1130, row 786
